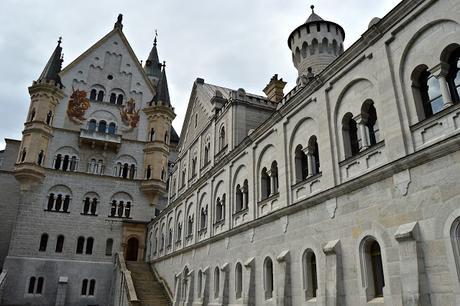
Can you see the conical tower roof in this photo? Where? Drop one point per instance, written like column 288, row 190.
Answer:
column 53, row 67
column 313, row 17
column 152, row 64
column 162, row 95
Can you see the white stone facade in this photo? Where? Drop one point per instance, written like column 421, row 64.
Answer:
column 390, row 191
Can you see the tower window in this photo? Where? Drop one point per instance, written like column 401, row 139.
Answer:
column 89, row 246
column 35, row 285
column 93, row 94
column 49, row 117
column 80, row 245
column 100, row 95
column 41, row 157
column 43, row 242
column 120, row 99
column 59, row 244
column 113, row 98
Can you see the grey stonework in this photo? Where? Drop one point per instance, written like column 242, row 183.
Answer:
column 401, row 190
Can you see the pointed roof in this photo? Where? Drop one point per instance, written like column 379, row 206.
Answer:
column 162, row 95
column 313, row 17
column 53, row 67
column 174, row 138
column 152, row 64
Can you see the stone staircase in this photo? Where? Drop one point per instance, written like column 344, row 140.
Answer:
column 149, row 291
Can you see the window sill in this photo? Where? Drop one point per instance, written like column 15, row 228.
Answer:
column 240, row 212
column 202, row 230
column 377, row 300
column 57, row 211
column 116, row 217
column 307, row 180
column 272, row 197
column 362, row 153
column 219, row 222
column 435, row 117
column 89, row 215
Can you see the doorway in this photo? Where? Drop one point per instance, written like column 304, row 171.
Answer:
column 132, row 249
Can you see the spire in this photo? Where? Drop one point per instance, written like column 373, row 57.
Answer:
column 162, row 95
column 313, row 17
column 152, row 64
column 118, row 24
column 54, row 65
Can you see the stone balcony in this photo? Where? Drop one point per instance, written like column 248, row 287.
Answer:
column 440, row 126
column 95, row 138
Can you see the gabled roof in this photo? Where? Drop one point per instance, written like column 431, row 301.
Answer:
column 115, row 31
column 53, row 67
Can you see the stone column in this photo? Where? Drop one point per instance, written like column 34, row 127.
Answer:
column 409, row 258
column 440, row 72
column 178, row 279
column 248, row 284
column 222, row 289
column 61, row 291
column 283, row 285
column 362, row 130
column 245, row 197
column 333, row 273
column 310, row 161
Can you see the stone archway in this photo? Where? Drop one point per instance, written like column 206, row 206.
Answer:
column 132, row 249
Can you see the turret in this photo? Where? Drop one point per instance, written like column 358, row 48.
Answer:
column 160, row 115
column 45, row 94
column 152, row 65
column 315, row 44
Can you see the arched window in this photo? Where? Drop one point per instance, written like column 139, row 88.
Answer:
column 65, row 163
column 92, row 287
column 301, row 164
column 66, row 203
column 152, row 134
column 216, row 282
column 274, row 177
column 427, row 92
column 80, row 245
column 310, row 276
column 92, row 125
column 84, row 287
column 57, row 162
column 268, row 278
column 372, row 268
column 170, row 237
column 455, row 239
column 220, row 209
column 204, row 217
column 245, row 194
column 108, row 247
column 93, row 94
column 32, row 114
column 43, row 242
column 113, row 98
column 31, row 287
column 132, row 171
column 112, row 128
column 59, row 244
column 194, row 166
column 200, row 283
column 100, row 95
column 238, row 199
column 50, row 201
column 369, row 115
column 102, row 128
column 40, row 157
column 49, row 117
column 222, row 138
column 179, row 232
column 183, row 177
column 148, row 172
column 265, row 184
column 350, row 135
column 128, row 210
column 453, row 76
column 206, row 154
column 93, row 206
column 313, row 150
column 23, row 155
column 89, row 246
column 238, row 280
column 190, row 226
column 73, row 163
column 166, row 137
column 86, row 205
column 120, row 99
column 113, row 209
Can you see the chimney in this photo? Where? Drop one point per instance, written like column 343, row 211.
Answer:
column 274, row 89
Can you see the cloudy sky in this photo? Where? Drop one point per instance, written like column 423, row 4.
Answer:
column 232, row 43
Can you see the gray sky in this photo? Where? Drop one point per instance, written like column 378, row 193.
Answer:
column 232, row 43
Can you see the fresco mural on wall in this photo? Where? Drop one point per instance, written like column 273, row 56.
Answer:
column 78, row 104
column 129, row 115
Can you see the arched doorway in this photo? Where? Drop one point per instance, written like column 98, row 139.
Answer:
column 132, row 249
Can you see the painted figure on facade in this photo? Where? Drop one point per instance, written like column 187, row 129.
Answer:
column 78, row 104
column 129, row 114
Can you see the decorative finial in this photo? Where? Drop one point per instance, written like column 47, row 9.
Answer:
column 155, row 40
column 164, row 64
column 118, row 24
column 312, row 9
column 60, row 40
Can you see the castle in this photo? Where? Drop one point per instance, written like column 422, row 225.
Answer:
column 343, row 191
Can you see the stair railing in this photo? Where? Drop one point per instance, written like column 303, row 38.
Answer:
column 163, row 283
column 125, row 293
column 2, row 282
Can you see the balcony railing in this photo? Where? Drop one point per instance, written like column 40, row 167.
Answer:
column 93, row 138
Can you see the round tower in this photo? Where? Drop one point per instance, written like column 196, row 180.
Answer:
column 315, row 44
column 160, row 115
column 45, row 94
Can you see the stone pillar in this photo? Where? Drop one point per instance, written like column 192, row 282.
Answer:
column 333, row 273
column 409, row 258
column 283, row 285
column 310, row 162
column 190, row 288
column 223, row 293
column 177, row 289
column 362, row 130
column 61, row 291
column 248, row 284
column 272, row 182
column 440, row 72
column 245, row 197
